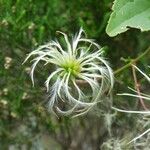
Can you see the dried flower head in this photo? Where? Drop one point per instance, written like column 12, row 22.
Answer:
column 75, row 63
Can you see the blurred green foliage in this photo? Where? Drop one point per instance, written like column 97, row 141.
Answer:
column 24, row 120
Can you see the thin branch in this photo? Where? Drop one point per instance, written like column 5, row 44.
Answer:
column 138, row 89
column 132, row 62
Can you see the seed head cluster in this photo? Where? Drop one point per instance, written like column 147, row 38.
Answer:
column 80, row 77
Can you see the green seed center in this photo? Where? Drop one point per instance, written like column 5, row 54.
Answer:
column 72, row 66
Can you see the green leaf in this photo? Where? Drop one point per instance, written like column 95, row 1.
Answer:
column 129, row 13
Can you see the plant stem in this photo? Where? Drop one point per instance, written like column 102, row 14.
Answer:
column 138, row 88
column 132, row 62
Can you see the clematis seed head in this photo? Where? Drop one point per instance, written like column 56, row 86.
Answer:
column 81, row 62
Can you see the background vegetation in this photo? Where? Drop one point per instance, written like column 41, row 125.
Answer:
column 24, row 120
